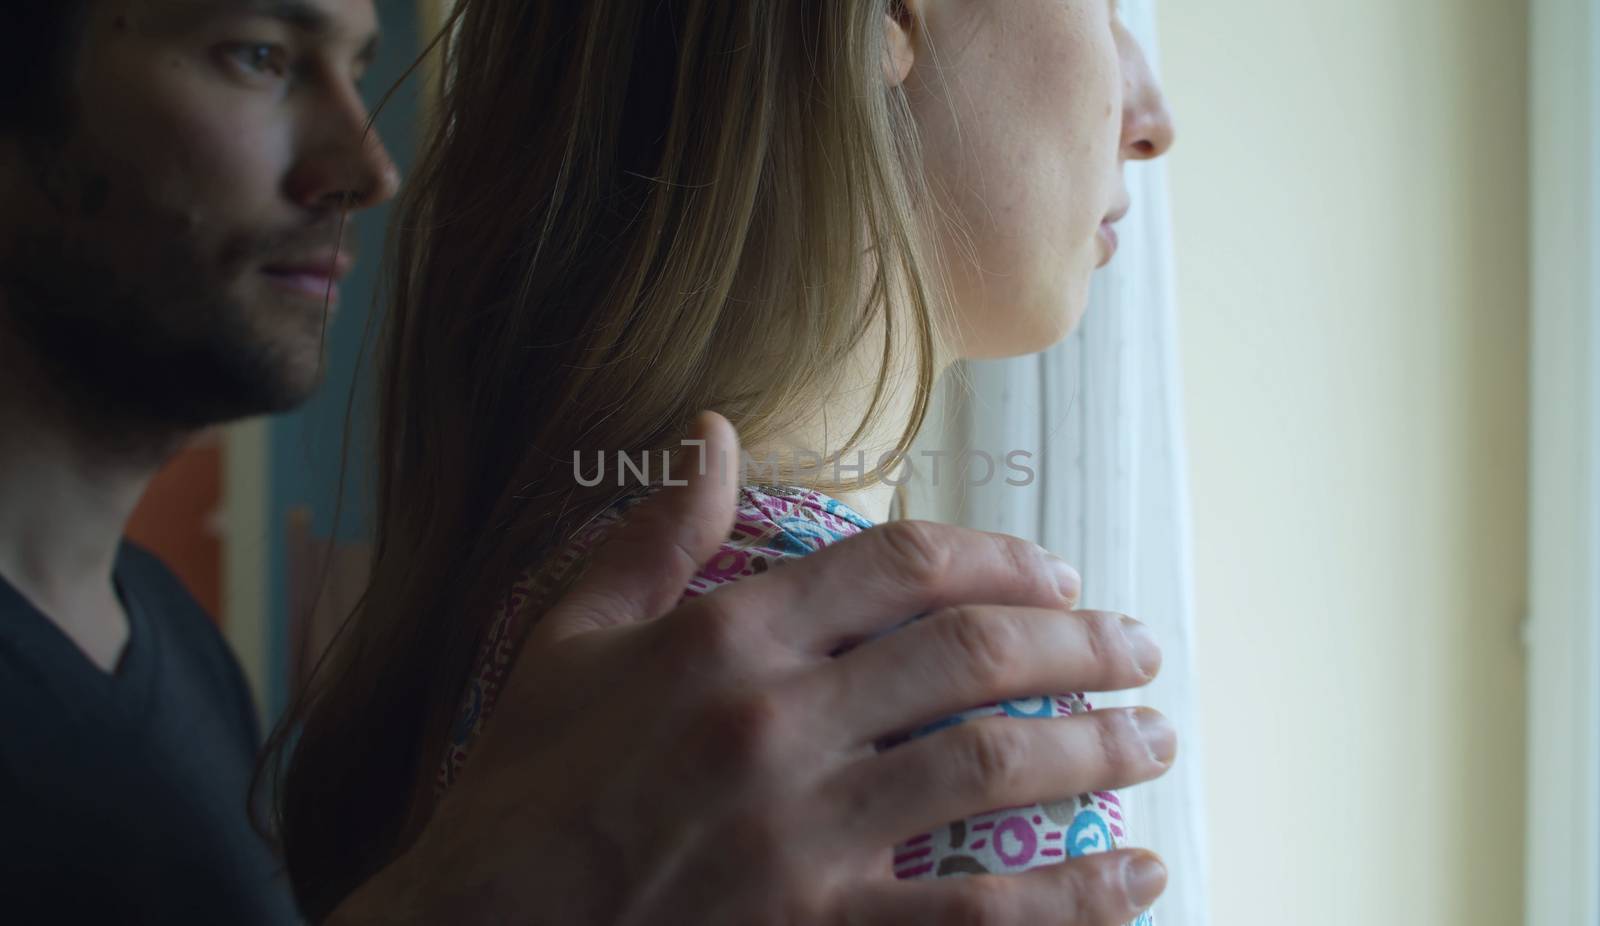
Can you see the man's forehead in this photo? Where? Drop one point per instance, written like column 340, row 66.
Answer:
column 356, row 19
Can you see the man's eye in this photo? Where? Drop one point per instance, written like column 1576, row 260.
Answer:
column 256, row 59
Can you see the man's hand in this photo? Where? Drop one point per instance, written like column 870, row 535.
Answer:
column 713, row 764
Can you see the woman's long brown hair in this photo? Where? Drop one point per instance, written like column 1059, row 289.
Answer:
column 626, row 211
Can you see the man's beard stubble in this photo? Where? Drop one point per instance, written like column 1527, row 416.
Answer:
column 143, row 345
column 175, row 357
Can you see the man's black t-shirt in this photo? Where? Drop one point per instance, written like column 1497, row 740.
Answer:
column 123, row 795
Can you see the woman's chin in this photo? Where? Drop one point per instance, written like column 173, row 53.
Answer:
column 1024, row 338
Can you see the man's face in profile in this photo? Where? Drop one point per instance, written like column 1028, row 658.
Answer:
column 174, row 242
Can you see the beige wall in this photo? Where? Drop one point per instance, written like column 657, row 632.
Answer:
column 1349, row 190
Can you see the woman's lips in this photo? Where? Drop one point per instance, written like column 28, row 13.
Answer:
column 1108, row 236
column 1108, row 227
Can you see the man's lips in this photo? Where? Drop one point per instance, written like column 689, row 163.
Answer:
column 314, row 277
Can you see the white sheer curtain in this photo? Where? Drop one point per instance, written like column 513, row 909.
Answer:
column 1099, row 416
column 1563, row 628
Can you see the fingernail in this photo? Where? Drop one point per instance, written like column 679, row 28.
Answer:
column 1068, row 582
column 1160, row 738
column 1144, row 878
column 1142, row 644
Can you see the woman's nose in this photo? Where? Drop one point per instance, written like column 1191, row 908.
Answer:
column 1147, row 129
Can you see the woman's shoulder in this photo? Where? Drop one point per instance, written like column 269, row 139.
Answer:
column 802, row 519
column 773, row 523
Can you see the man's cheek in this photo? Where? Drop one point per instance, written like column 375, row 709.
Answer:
column 233, row 163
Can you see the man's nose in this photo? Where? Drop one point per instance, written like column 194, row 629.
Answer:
column 346, row 166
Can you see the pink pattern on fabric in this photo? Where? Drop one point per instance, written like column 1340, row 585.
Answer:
column 774, row 523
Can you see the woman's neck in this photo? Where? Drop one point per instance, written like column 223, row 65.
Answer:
column 841, row 412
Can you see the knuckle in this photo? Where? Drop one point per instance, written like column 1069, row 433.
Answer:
column 1114, row 901
column 984, row 647
column 997, row 755
column 757, row 839
column 1122, row 756
column 710, row 633
column 916, row 555
column 811, row 903
column 980, row 902
column 1103, row 637
column 1022, row 557
column 1091, row 889
column 744, row 729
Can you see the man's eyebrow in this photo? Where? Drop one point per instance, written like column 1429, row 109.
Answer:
column 299, row 14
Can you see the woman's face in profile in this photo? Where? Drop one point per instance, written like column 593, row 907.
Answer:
column 1028, row 110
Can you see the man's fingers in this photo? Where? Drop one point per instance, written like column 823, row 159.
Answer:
column 979, row 765
column 1096, row 890
column 968, row 655
column 867, row 584
column 641, row 569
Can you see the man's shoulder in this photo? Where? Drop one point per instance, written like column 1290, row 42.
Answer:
column 151, row 586
column 142, row 573
column 191, row 642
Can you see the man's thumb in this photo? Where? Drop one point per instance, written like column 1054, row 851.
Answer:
column 641, row 569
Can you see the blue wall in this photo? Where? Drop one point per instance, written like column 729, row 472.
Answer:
column 305, row 446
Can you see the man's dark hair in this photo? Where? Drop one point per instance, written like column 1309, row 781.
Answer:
column 37, row 43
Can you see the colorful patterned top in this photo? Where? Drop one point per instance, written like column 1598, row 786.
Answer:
column 774, row 523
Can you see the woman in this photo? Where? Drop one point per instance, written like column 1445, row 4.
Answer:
column 796, row 212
